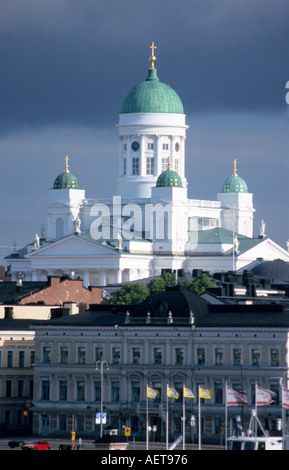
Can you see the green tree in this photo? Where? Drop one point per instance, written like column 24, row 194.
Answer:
column 130, row 294
column 199, row 285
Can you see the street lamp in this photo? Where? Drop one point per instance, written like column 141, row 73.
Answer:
column 102, row 363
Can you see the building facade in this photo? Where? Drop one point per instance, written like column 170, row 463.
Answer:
column 173, row 339
column 17, row 350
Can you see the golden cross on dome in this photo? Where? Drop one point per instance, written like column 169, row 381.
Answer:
column 235, row 168
column 153, row 57
column 66, row 164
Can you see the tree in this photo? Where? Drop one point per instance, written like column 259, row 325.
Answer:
column 199, row 285
column 130, row 294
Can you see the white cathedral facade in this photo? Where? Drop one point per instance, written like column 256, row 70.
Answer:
column 150, row 225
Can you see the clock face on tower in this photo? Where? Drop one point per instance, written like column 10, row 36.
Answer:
column 135, row 146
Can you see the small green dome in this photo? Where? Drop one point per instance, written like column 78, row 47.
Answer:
column 152, row 96
column 169, row 178
column 235, row 184
column 66, row 180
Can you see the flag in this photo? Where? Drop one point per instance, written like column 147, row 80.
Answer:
column 205, row 393
column 263, row 396
column 235, row 398
column 151, row 393
column 188, row 393
column 171, row 392
column 285, row 397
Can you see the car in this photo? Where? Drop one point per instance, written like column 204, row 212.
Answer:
column 67, row 447
column 16, row 443
column 37, row 445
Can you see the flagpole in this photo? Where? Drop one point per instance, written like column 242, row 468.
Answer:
column 199, row 420
column 226, row 416
column 147, row 419
column 167, row 422
column 184, row 417
column 256, row 405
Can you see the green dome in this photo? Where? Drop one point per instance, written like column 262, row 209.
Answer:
column 66, row 180
column 235, row 184
column 169, row 178
column 152, row 96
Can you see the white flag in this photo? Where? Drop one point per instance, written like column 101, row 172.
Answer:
column 235, row 398
column 263, row 396
column 285, row 397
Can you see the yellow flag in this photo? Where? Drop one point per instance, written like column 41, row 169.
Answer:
column 151, row 393
column 172, row 393
column 188, row 393
column 205, row 393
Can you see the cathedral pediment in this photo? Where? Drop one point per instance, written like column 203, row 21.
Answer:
column 75, row 245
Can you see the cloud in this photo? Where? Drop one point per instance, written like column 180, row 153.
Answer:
column 72, row 62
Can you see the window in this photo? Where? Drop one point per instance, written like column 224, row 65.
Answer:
column 98, row 353
column 32, row 357
column 115, row 392
column 165, row 146
column 135, row 356
column 274, row 358
column 116, row 355
column 80, row 390
column 237, row 357
column 219, row 356
column 218, row 392
column 150, row 166
column 135, row 166
column 157, row 356
column 150, row 146
column 201, row 356
column 63, row 390
column 97, row 391
column 179, row 356
column 63, row 354
column 20, row 388
column 255, row 357
column 21, row 359
column 46, row 352
column 8, row 388
column 176, row 163
column 124, row 166
column 164, row 164
column 81, row 355
column 135, row 391
column 80, row 423
column 10, row 356
column 45, row 390
column 62, row 423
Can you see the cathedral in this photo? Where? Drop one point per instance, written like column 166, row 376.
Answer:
column 150, row 225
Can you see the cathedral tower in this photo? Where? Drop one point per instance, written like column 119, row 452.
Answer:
column 151, row 127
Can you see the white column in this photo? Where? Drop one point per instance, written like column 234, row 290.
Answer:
column 102, row 277
column 142, row 163
column 85, row 277
column 118, row 276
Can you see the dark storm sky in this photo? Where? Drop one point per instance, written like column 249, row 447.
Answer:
column 66, row 66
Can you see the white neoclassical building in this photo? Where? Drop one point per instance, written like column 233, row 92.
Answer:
column 150, row 225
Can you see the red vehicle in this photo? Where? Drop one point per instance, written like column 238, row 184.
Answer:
column 36, row 445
